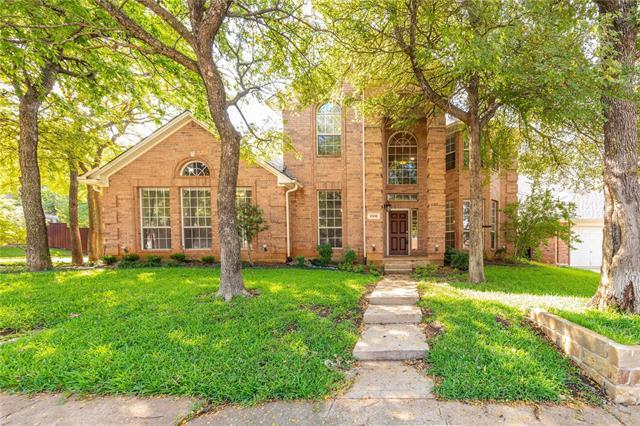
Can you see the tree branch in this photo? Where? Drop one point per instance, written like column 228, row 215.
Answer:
column 170, row 19
column 141, row 34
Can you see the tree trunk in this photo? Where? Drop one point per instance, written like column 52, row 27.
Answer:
column 74, row 228
column 476, row 230
column 620, row 274
column 38, row 256
column 94, row 243
column 231, row 282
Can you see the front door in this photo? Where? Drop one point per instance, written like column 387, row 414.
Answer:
column 398, row 233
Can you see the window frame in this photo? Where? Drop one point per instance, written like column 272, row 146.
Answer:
column 142, row 217
column 450, row 152
column 330, row 227
column 493, row 236
column 415, row 229
column 318, row 134
column 182, row 217
column 187, row 164
column 449, row 225
column 415, row 161
column 244, row 244
column 465, row 201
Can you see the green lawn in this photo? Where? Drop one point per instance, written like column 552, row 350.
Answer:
column 161, row 331
column 19, row 252
column 486, row 353
column 564, row 291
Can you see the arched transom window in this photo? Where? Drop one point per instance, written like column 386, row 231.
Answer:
column 402, row 153
column 195, row 168
column 329, row 129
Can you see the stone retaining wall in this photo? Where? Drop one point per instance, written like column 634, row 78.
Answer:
column 614, row 366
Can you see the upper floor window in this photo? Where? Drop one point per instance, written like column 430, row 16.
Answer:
column 450, row 152
column 195, row 168
column 402, row 165
column 329, row 129
column 465, row 160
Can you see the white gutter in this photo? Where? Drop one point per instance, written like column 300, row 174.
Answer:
column 286, row 205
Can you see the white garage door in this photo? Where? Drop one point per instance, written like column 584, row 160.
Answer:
column 588, row 252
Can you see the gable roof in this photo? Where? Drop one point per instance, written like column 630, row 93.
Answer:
column 100, row 175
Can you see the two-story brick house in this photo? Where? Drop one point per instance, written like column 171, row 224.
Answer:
column 353, row 183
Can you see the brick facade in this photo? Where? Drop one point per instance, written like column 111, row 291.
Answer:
column 359, row 172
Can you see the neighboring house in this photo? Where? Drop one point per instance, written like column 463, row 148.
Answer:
column 352, row 183
column 588, row 227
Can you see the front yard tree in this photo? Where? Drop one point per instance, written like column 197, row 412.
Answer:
column 471, row 59
column 620, row 275
column 236, row 49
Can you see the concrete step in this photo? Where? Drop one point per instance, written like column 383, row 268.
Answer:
column 392, row 314
column 389, row 379
column 392, row 295
column 392, row 342
column 398, row 267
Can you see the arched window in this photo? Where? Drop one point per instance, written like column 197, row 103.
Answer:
column 329, row 129
column 402, row 153
column 195, row 168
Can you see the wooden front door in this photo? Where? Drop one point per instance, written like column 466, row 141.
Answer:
column 398, row 233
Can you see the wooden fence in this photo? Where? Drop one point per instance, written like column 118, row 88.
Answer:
column 60, row 236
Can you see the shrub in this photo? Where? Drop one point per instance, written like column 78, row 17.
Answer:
column 300, row 261
column 179, row 257
column 109, row 259
column 131, row 257
column 324, row 251
column 209, row 260
column 153, row 261
column 349, row 258
column 174, row 264
column 425, row 271
column 357, row 269
column 501, row 253
column 460, row 260
column 373, row 269
column 129, row 264
column 448, row 253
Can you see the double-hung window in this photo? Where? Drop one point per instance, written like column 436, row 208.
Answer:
column 155, row 219
column 494, row 224
column 329, row 129
column 196, row 218
column 450, row 152
column 243, row 197
column 330, row 218
column 449, row 230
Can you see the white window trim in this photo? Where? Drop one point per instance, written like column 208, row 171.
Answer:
column 142, row 247
column 318, row 217
column 192, row 162
column 494, row 244
column 318, row 134
column 453, row 221
column 182, row 227
column 244, row 244
column 416, row 160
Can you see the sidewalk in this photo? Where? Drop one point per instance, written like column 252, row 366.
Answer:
column 58, row 410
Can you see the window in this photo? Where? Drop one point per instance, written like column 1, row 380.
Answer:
column 196, row 218
column 466, row 151
column 155, row 219
column 330, row 218
column 466, row 221
column 450, row 152
column 402, row 197
column 494, row 224
column 243, row 196
column 195, row 168
column 449, row 227
column 401, row 159
column 414, row 229
column 329, row 129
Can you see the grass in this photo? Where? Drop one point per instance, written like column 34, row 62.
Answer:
column 162, row 331
column 563, row 291
column 8, row 251
column 487, row 353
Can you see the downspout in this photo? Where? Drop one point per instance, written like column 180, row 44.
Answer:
column 364, row 206
column 286, row 205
